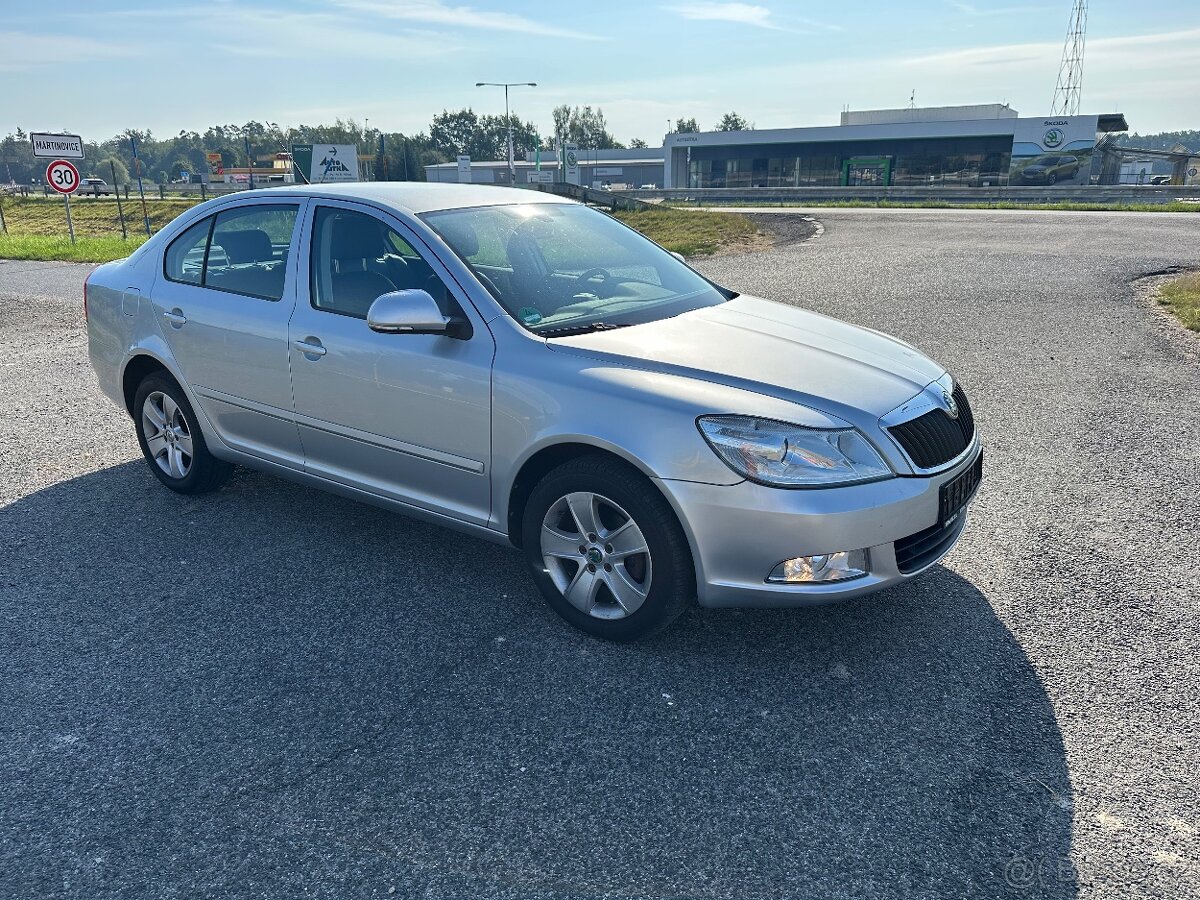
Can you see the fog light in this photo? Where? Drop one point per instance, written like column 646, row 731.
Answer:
column 820, row 568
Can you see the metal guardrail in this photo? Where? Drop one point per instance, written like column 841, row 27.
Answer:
column 595, row 197
column 1092, row 193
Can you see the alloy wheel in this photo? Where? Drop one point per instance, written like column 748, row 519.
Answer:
column 168, row 434
column 596, row 555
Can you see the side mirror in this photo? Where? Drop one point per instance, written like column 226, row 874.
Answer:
column 411, row 312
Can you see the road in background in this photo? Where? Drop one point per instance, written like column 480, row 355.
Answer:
column 273, row 691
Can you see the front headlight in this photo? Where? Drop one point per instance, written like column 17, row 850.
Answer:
column 784, row 455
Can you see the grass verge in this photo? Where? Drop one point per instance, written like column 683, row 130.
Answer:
column 689, row 234
column 93, row 217
column 1064, row 205
column 59, row 247
column 37, row 228
column 1182, row 297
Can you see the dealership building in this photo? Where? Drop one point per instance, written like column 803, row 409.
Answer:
column 984, row 146
column 980, row 146
column 614, row 169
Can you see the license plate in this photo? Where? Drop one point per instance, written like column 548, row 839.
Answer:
column 957, row 493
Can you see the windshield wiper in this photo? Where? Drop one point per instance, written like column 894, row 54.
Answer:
column 568, row 330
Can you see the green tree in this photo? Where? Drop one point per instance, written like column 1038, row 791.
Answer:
column 1165, row 140
column 637, row 144
column 452, row 132
column 584, row 126
column 731, row 121
column 686, row 126
column 103, row 168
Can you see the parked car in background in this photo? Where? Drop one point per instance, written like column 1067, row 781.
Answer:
column 531, row 371
column 1050, row 169
column 93, row 186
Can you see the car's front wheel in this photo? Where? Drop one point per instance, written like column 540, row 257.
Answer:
column 171, row 439
column 606, row 550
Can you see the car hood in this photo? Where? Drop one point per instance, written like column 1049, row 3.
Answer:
column 774, row 349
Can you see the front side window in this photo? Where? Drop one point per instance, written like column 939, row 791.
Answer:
column 185, row 257
column 248, row 251
column 564, row 268
column 356, row 258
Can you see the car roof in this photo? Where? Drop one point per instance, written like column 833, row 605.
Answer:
column 413, row 196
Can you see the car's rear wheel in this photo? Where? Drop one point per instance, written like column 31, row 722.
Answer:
column 1051, row 178
column 171, row 440
column 606, row 550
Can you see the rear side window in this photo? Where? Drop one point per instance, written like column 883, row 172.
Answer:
column 242, row 250
column 247, row 253
column 185, row 257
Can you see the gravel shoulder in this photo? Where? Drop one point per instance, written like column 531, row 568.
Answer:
column 273, row 691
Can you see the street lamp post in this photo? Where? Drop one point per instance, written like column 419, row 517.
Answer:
column 512, row 169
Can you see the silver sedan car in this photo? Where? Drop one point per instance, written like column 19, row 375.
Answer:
column 528, row 370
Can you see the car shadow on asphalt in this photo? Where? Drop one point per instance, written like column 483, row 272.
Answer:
column 271, row 687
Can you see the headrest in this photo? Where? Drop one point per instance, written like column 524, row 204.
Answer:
column 250, row 245
column 356, row 236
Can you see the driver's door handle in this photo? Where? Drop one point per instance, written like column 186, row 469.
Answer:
column 175, row 317
column 306, row 346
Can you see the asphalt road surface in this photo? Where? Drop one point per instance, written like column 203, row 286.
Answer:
column 274, row 692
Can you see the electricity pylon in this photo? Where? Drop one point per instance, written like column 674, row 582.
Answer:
column 1070, row 70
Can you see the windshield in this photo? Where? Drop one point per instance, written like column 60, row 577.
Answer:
column 562, row 268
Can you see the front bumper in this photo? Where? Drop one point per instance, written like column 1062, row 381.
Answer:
column 739, row 533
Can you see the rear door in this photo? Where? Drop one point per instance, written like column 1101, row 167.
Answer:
column 223, row 300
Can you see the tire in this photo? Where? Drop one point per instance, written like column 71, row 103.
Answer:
column 1051, row 178
column 601, row 533
column 178, row 456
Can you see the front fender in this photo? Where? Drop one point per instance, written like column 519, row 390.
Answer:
column 647, row 419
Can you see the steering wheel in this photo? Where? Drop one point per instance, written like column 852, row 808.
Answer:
column 603, row 274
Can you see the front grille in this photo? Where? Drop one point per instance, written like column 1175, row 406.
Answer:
column 919, row 550
column 934, row 438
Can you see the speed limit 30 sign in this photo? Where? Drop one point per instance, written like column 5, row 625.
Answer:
column 62, row 176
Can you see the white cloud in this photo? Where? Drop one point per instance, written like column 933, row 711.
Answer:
column 24, row 50
column 741, row 13
column 437, row 13
column 747, row 14
column 976, row 11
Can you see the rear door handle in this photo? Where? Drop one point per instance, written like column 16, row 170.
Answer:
column 310, row 346
column 176, row 317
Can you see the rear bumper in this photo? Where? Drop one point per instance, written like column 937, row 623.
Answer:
column 739, row 533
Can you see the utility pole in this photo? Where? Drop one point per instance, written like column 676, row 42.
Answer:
column 512, row 169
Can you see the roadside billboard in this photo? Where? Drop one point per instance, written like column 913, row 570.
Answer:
column 215, row 167
column 464, row 170
column 325, row 163
column 1053, row 150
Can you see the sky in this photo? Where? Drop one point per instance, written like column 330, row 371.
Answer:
column 96, row 67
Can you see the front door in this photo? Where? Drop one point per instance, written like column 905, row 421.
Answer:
column 223, row 301
column 404, row 416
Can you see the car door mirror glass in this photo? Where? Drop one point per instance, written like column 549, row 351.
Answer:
column 407, row 312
